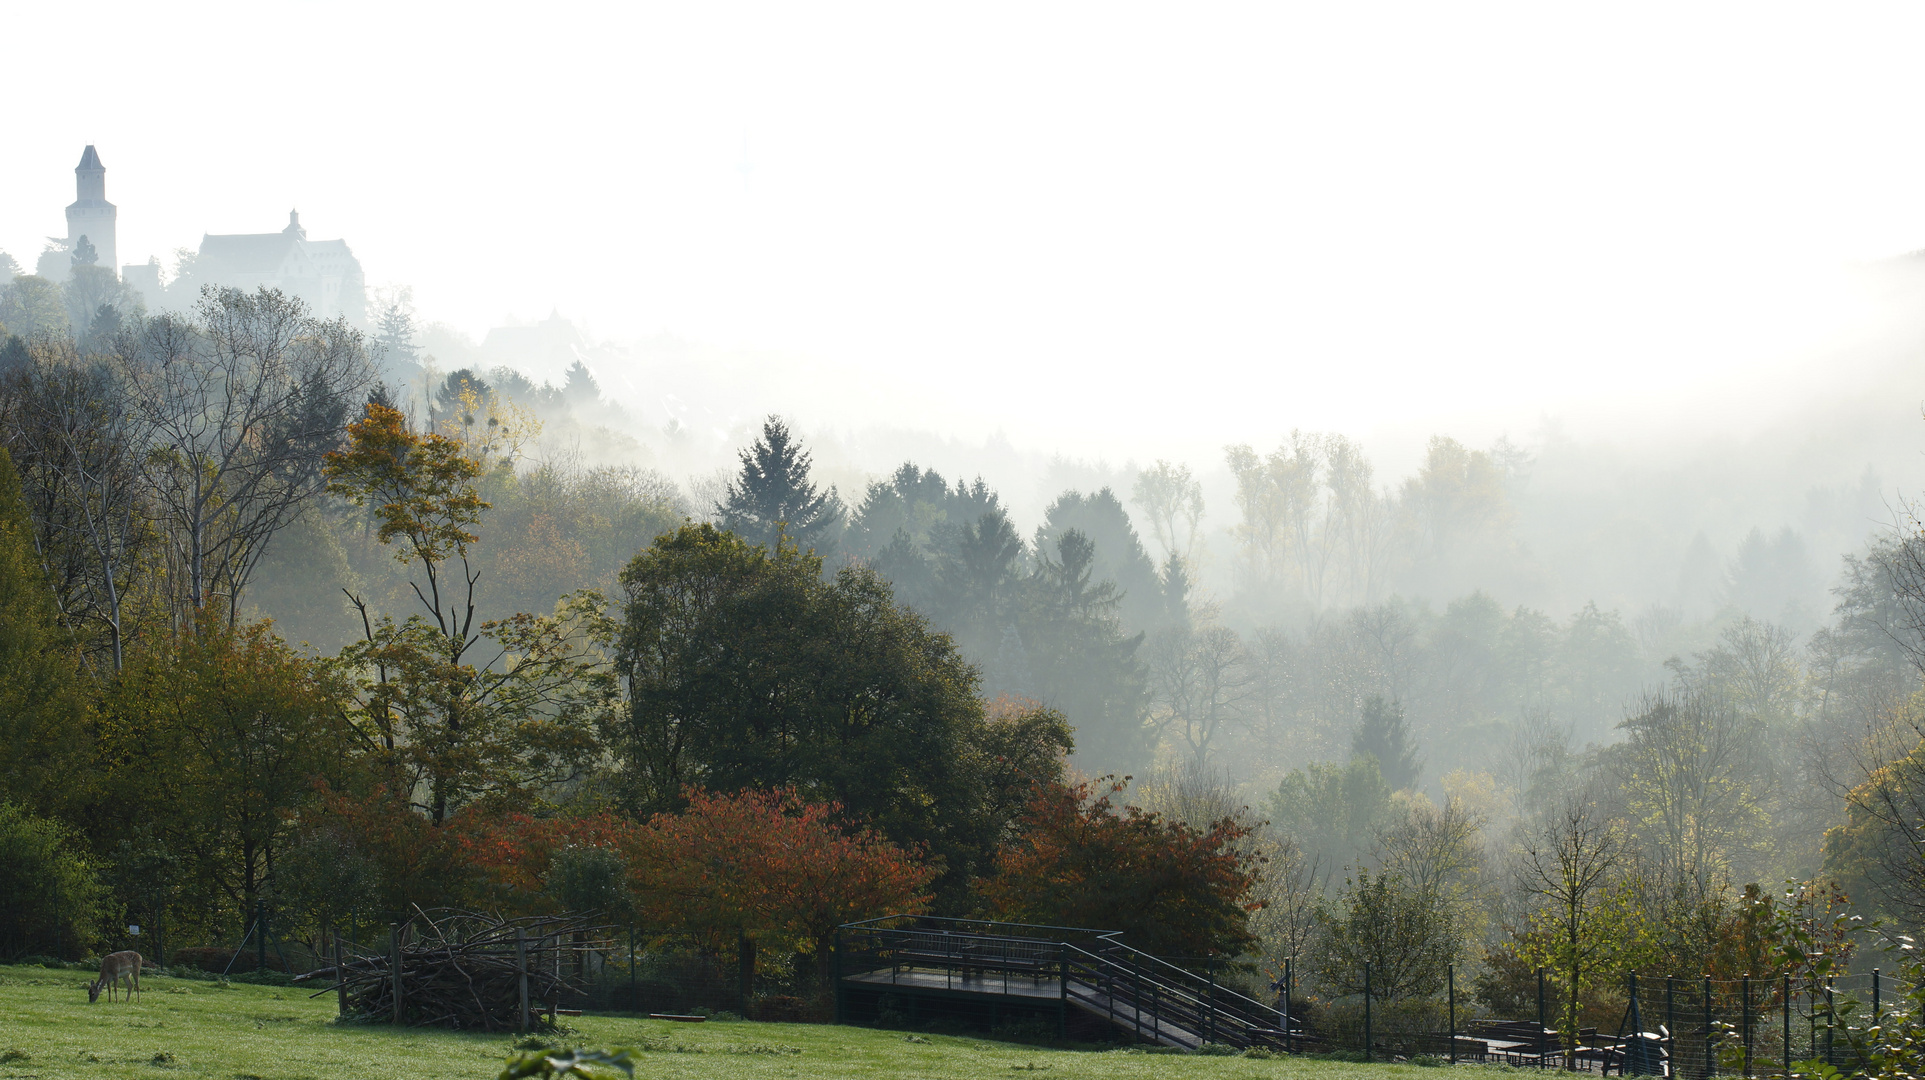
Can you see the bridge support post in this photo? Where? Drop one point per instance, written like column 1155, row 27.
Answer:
column 1136, row 993
column 1212, row 1014
column 1062, row 991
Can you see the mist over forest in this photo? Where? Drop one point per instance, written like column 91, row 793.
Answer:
column 324, row 600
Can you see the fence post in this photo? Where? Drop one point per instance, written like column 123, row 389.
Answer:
column 1541, row 1048
column 1366, row 1010
column 1710, row 1051
column 1787, row 1003
column 394, row 966
column 1875, row 996
column 1637, row 1026
column 260, row 936
column 1744, row 1002
column 1671, row 1021
column 521, row 969
column 340, row 976
column 1450, row 982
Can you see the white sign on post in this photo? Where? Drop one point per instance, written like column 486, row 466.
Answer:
column 134, row 930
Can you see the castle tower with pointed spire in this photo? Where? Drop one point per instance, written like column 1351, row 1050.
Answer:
column 91, row 215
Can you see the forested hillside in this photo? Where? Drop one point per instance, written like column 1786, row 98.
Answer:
column 298, row 624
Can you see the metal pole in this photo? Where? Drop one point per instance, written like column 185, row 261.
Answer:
column 1875, row 989
column 1366, row 1010
column 260, row 936
column 521, row 969
column 340, row 978
column 1787, row 1004
column 1671, row 1020
column 1744, row 993
column 1450, row 981
column 1710, row 1052
column 1541, row 1048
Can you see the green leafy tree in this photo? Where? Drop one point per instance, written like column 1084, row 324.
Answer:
column 1403, row 931
column 773, row 496
column 746, row 669
column 1569, row 863
column 214, row 739
column 31, row 305
column 43, row 713
column 51, row 896
column 1332, row 812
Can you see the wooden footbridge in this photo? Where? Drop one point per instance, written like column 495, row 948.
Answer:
column 1084, row 980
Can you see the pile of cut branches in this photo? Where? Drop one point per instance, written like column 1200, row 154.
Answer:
column 464, row 970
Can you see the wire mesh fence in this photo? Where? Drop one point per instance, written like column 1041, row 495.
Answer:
column 1670, row 1026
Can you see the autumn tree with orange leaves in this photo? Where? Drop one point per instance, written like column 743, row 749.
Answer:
column 1078, row 860
column 460, row 710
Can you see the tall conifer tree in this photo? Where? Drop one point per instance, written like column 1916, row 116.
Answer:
column 773, row 494
column 1385, row 735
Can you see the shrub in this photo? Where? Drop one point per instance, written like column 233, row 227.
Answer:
column 51, row 895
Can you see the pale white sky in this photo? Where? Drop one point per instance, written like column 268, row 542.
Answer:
column 1115, row 229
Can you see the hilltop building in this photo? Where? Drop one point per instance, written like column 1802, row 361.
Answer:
column 325, row 273
column 91, row 216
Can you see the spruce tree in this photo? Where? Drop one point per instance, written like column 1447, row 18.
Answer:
column 1385, row 735
column 774, row 495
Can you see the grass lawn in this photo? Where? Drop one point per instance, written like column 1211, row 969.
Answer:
column 190, row 1028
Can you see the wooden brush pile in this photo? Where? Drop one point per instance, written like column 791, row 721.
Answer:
column 465, row 970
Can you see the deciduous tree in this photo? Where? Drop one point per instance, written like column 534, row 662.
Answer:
column 1079, row 860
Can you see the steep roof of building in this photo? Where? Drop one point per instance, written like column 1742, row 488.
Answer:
column 89, row 159
column 246, row 253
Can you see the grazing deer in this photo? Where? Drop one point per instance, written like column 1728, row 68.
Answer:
column 113, row 968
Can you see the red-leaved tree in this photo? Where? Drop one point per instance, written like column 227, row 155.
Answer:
column 1080, row 861
column 768, row 865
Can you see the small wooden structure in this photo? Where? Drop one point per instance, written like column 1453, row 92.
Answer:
column 462, row 969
